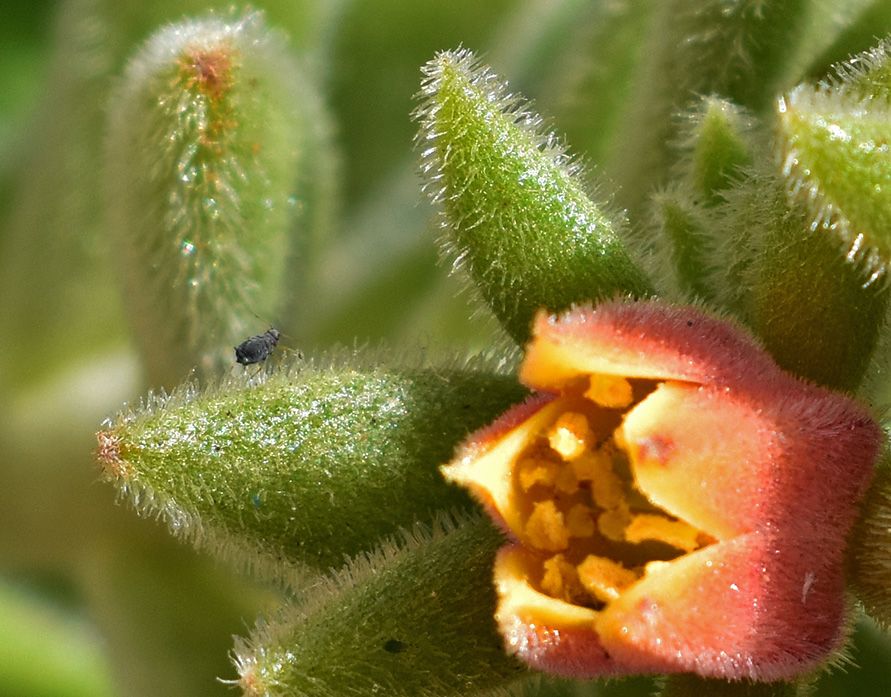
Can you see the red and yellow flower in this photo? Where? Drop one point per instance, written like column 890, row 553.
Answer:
column 675, row 501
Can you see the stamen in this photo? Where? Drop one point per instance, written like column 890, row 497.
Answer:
column 561, row 580
column 580, row 521
column 609, row 391
column 607, row 490
column 546, row 529
column 677, row 533
column 567, row 482
column 577, row 485
column 590, row 465
column 612, row 523
column 537, row 471
column 603, row 578
column 570, row 435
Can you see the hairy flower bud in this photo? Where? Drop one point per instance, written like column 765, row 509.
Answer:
column 677, row 502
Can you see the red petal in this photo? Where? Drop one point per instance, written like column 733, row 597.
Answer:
column 770, row 466
column 545, row 633
column 746, row 608
column 645, row 339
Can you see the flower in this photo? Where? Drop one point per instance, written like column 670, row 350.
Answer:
column 675, row 502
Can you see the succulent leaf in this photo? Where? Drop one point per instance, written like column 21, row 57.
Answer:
column 743, row 50
column 812, row 306
column 515, row 207
column 201, row 165
column 412, row 618
column 309, row 466
column 717, row 142
column 834, row 141
column 682, row 243
column 870, row 552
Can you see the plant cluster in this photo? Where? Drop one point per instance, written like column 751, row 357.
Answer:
column 663, row 382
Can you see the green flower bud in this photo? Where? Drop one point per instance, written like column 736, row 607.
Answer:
column 683, row 243
column 201, row 165
column 834, row 144
column 516, row 209
column 309, row 466
column 717, row 142
column 413, row 618
column 811, row 305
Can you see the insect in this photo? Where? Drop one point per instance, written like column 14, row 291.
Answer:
column 257, row 348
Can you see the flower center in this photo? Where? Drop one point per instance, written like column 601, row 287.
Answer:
column 588, row 527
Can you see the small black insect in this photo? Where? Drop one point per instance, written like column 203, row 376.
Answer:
column 257, row 348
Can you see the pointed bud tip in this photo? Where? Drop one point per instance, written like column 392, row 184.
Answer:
column 251, row 684
column 209, row 69
column 108, row 452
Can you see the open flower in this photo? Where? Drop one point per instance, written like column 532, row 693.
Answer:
column 676, row 502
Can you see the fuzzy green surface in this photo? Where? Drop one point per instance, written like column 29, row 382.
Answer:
column 867, row 75
column 690, row 242
column 309, row 466
column 835, row 145
column 692, row 686
column 682, row 242
column 516, row 210
column 56, row 261
column 717, row 145
column 810, row 304
column 413, row 618
column 201, row 167
column 743, row 50
column 870, row 552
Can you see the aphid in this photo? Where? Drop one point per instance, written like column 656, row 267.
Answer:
column 257, row 348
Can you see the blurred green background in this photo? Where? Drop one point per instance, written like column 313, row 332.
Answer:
column 95, row 601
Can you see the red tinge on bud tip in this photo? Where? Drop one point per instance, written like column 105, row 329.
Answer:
column 676, row 502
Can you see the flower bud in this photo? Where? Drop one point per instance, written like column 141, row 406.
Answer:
column 516, row 209
column 676, row 502
column 412, row 618
column 310, row 466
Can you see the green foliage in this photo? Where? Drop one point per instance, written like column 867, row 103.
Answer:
column 814, row 308
column 682, row 243
column 717, row 144
column 743, row 50
column 442, row 641
column 834, row 141
column 204, row 146
column 518, row 215
column 870, row 562
column 307, row 468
